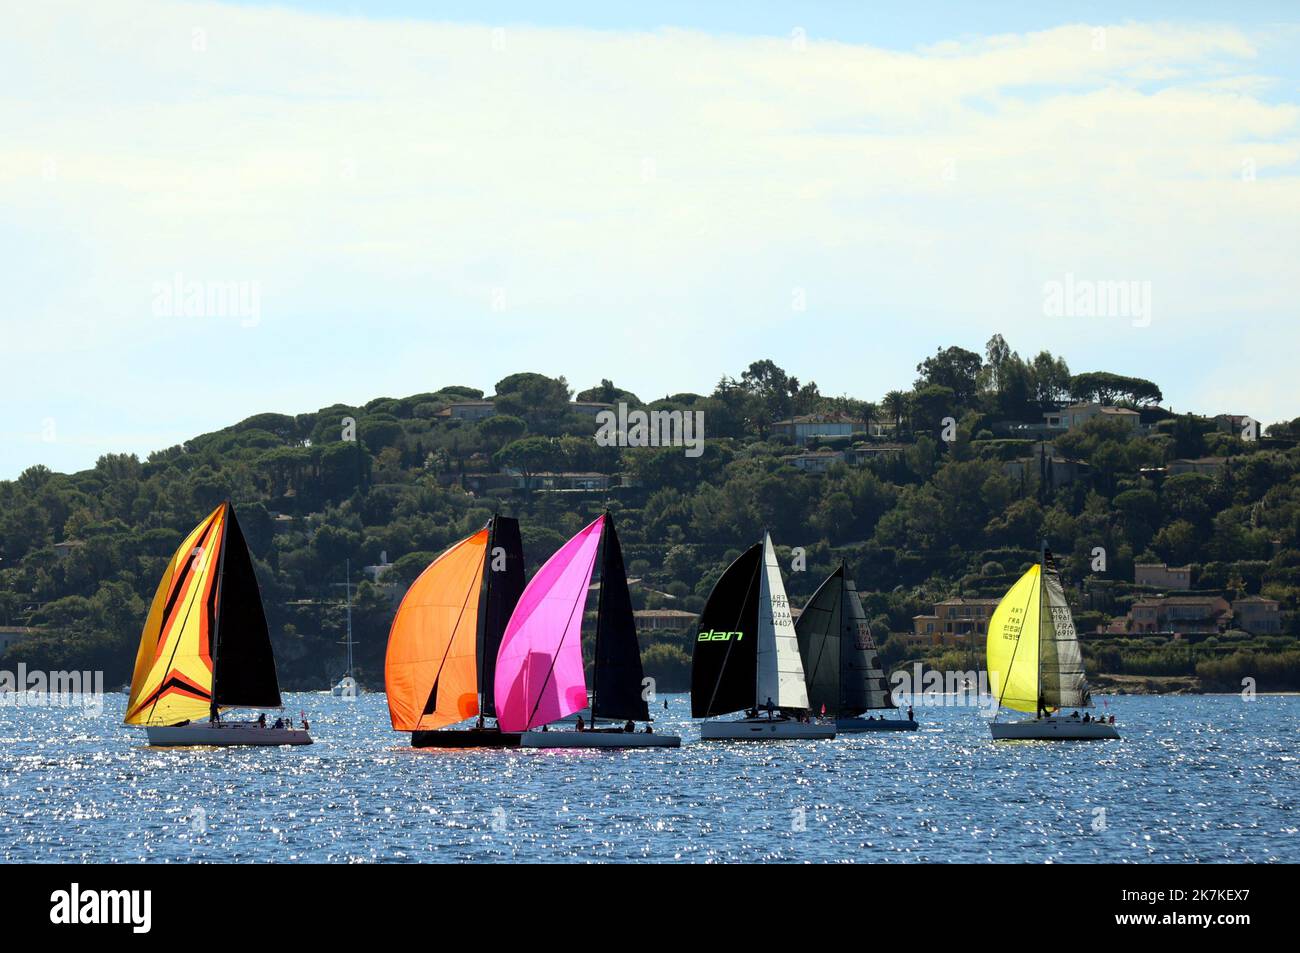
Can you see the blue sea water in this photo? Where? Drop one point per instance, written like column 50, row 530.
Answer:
column 1208, row 779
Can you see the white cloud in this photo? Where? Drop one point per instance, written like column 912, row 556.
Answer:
column 382, row 180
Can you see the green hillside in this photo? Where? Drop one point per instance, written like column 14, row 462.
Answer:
column 917, row 517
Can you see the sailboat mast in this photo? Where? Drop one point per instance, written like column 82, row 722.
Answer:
column 600, row 609
column 480, row 636
column 760, row 577
column 1042, row 570
column 347, row 590
column 845, row 616
column 216, row 622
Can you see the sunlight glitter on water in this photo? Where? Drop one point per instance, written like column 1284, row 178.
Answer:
column 1210, row 779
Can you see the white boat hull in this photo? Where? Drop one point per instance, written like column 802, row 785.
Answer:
column 224, row 735
column 1053, row 729
column 597, row 739
column 762, row 729
column 848, row 726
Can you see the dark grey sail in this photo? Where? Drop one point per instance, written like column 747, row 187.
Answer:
column 839, row 656
column 818, row 630
column 1062, row 682
column 617, row 673
column 866, row 686
column 503, row 574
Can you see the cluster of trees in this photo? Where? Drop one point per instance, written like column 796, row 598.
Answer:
column 935, row 518
column 1002, row 383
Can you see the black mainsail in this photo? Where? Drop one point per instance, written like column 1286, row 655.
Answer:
column 243, row 673
column 724, row 665
column 617, row 675
column 503, row 584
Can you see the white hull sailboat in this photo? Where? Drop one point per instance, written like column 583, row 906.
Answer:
column 346, row 687
column 224, row 734
column 747, row 659
column 205, row 647
column 1053, row 728
column 841, row 662
column 1035, row 664
column 541, row 685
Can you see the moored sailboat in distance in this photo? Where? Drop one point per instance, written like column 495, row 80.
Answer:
column 346, row 687
column 1034, row 662
column 841, row 662
column 746, row 656
column 540, row 676
column 442, row 646
column 205, row 647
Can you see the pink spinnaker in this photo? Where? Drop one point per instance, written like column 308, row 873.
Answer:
column 539, row 676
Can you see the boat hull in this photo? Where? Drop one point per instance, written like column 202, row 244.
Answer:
column 849, row 726
column 1053, row 729
column 762, row 729
column 205, row 734
column 597, row 739
column 465, row 738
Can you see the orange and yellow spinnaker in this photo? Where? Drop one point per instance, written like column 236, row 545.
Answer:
column 172, row 681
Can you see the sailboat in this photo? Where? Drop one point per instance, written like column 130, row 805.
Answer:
column 205, row 647
column 442, row 647
column 1035, row 664
column 540, row 677
column 840, row 659
column 747, row 656
column 347, row 685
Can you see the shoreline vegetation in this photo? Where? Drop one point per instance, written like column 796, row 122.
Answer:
column 941, row 491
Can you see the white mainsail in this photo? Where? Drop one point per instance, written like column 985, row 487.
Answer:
column 780, row 669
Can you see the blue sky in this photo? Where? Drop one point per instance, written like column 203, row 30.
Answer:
column 658, row 193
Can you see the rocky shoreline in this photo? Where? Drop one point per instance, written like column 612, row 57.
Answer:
column 1147, row 684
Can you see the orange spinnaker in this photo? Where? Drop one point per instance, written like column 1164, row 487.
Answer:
column 172, row 680
column 433, row 642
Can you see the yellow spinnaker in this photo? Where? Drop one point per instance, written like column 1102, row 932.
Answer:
column 172, row 681
column 1013, row 644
